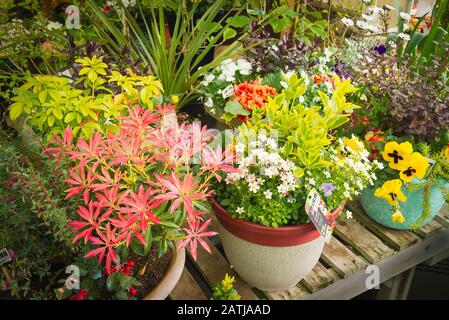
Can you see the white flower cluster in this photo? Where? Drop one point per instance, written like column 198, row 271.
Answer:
column 359, row 169
column 263, row 163
column 227, row 71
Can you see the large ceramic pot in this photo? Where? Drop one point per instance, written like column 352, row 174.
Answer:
column 380, row 211
column 171, row 277
column 270, row 259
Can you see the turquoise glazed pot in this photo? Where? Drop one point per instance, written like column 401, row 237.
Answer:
column 380, row 211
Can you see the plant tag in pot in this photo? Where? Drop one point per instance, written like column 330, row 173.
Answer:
column 4, row 256
column 431, row 165
column 317, row 211
column 228, row 91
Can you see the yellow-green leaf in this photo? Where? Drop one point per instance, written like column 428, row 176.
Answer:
column 15, row 111
column 57, row 113
column 69, row 117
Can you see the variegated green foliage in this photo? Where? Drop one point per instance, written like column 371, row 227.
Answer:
column 304, row 132
column 51, row 103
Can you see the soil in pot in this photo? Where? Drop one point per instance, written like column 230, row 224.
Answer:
column 155, row 270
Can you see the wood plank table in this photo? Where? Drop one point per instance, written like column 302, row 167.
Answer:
column 341, row 272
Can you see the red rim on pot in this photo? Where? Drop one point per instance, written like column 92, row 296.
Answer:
column 274, row 237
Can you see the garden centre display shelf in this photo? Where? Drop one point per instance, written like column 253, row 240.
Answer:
column 341, row 271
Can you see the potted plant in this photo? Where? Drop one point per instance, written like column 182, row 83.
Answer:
column 266, row 233
column 141, row 192
column 412, row 188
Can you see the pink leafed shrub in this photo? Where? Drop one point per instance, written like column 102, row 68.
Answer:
column 148, row 182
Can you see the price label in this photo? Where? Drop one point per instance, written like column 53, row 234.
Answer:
column 228, row 91
column 4, row 256
column 317, row 212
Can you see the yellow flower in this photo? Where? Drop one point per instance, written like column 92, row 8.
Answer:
column 397, row 154
column 398, row 217
column 416, row 167
column 391, row 191
column 174, row 100
column 355, row 144
column 227, row 282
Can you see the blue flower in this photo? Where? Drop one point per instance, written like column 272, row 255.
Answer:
column 328, row 188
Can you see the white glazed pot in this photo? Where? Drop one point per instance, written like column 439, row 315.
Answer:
column 270, row 259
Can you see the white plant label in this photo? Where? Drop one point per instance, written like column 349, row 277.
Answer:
column 4, row 256
column 317, row 211
column 228, row 91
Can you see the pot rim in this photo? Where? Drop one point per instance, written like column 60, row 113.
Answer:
column 284, row 236
column 171, row 276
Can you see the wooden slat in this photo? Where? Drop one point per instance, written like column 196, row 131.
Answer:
column 429, row 229
column 187, row 288
column 319, row 278
column 360, row 238
column 296, row 293
column 341, row 259
column 443, row 216
column 396, row 239
column 214, row 268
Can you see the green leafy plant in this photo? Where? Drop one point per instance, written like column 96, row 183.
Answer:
column 288, row 148
column 224, row 290
column 51, row 103
column 34, row 217
column 174, row 58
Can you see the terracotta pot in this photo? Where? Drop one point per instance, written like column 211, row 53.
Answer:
column 270, row 259
column 171, row 277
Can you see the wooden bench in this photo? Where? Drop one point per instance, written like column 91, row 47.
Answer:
column 341, row 271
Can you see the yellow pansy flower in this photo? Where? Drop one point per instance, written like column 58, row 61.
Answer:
column 397, row 154
column 416, row 167
column 355, row 144
column 397, row 217
column 391, row 191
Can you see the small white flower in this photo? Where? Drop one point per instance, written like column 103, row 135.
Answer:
column 253, row 186
column 291, row 200
column 392, row 30
column 240, row 210
column 405, row 16
column 311, row 181
column 362, row 24
column 348, row 214
column 389, row 8
column 244, row 66
column 348, row 22
column 375, row 10
column 54, row 25
column 268, row 194
column 239, row 147
column 404, row 36
column 367, row 17
column 327, row 174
